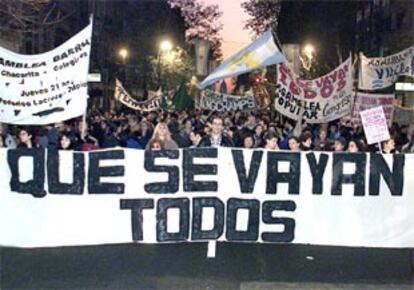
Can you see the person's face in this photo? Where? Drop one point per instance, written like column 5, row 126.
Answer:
column 352, row 147
column 163, row 130
column 155, row 146
column 188, row 125
column 144, row 126
column 271, row 143
column 332, row 129
column 259, row 130
column 217, row 126
column 251, row 120
column 338, row 146
column 322, row 135
column 65, row 142
column 390, row 144
column 248, row 142
column 24, row 136
column 293, row 145
column 308, row 142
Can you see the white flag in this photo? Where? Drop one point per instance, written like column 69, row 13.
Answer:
column 263, row 52
column 45, row 88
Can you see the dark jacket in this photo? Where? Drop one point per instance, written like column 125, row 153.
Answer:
column 225, row 142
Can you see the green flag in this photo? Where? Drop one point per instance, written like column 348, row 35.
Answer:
column 182, row 100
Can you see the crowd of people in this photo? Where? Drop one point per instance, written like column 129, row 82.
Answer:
column 196, row 128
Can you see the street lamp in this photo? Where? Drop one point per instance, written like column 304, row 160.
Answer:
column 308, row 53
column 123, row 53
column 165, row 47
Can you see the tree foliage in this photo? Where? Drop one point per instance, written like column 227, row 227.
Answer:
column 263, row 15
column 29, row 15
column 201, row 21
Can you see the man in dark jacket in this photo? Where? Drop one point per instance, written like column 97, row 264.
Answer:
column 216, row 138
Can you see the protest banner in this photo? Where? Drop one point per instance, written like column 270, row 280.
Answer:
column 381, row 72
column 365, row 101
column 375, row 125
column 403, row 116
column 52, row 198
column 320, row 100
column 45, row 88
column 219, row 102
column 121, row 95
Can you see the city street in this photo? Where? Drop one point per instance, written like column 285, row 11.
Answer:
column 185, row 266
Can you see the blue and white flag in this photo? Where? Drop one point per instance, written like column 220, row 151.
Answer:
column 263, row 52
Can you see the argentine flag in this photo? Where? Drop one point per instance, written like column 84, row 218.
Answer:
column 263, row 52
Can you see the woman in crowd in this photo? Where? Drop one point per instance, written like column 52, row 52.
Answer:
column 321, row 142
column 355, row 146
column 162, row 133
column 306, row 141
column 66, row 142
column 155, row 144
column 248, row 142
column 25, row 138
column 294, row 144
column 388, row 146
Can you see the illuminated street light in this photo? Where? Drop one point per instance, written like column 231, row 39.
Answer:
column 166, row 45
column 308, row 51
column 123, row 53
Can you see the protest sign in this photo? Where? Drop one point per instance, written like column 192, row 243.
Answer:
column 45, row 88
column 375, row 125
column 381, row 72
column 320, row 100
column 125, row 98
column 52, row 198
column 364, row 101
column 219, row 102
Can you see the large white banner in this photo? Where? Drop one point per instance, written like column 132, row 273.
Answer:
column 45, row 88
column 320, row 100
column 234, row 195
column 381, row 72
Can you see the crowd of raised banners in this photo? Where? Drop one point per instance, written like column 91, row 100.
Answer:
column 52, row 87
column 66, row 198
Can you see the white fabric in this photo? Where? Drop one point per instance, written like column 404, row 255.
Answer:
column 45, row 88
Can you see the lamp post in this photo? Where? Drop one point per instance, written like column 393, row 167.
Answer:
column 164, row 47
column 308, row 53
column 123, row 53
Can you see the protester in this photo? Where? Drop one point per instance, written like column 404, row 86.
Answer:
column 355, row 146
column 248, row 142
column 294, row 144
column 66, row 142
column 388, row 146
column 306, row 141
column 162, row 133
column 340, row 144
column 9, row 141
column 156, row 144
column 321, row 142
column 271, row 139
column 216, row 138
column 25, row 139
